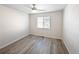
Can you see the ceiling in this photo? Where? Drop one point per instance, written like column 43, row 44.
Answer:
column 27, row 7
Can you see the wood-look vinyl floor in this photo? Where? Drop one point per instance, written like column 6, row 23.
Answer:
column 36, row 45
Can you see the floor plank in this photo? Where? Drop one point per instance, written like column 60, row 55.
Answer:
column 36, row 45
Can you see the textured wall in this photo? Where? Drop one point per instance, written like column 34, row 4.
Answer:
column 71, row 28
column 56, row 25
column 13, row 25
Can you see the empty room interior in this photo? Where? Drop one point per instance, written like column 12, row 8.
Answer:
column 39, row 28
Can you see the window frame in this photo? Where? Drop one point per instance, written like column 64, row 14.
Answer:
column 44, row 22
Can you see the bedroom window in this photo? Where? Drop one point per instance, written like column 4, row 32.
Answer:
column 43, row 22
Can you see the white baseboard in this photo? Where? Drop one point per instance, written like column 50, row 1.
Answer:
column 48, row 36
column 65, row 43
column 13, row 41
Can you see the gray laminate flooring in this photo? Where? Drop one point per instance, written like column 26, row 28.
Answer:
column 36, row 45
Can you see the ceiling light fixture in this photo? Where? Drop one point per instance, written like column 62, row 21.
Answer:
column 34, row 11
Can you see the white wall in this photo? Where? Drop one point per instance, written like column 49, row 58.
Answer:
column 71, row 28
column 13, row 25
column 56, row 25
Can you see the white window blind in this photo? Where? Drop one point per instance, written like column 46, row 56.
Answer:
column 43, row 22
